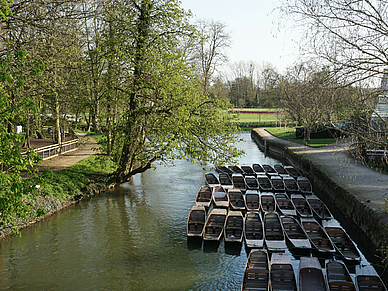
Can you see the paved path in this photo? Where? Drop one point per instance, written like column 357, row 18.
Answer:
column 85, row 149
column 366, row 184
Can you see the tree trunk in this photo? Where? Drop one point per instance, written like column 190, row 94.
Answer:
column 57, row 120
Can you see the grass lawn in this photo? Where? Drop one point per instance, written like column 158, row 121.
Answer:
column 289, row 134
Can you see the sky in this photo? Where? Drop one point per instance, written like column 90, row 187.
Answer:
column 252, row 26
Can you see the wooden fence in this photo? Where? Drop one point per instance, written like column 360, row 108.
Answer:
column 57, row 149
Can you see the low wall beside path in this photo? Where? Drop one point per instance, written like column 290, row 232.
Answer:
column 357, row 191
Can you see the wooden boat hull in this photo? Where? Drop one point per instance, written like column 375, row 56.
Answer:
column 338, row 277
column 367, row 279
column 252, row 200
column 267, row 201
column 196, row 221
column 234, row 227
column 220, row 197
column 253, row 230
column 320, row 210
column 204, row 197
column 282, row 276
column 264, row 183
column 302, row 207
column 318, row 237
column 304, row 185
column 285, row 205
column 273, row 233
column 310, row 275
column 214, row 225
column 295, row 234
column 236, row 200
column 256, row 272
column 343, row 244
column 211, row 179
column 251, row 183
column 290, row 185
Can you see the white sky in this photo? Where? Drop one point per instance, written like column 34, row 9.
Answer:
column 251, row 23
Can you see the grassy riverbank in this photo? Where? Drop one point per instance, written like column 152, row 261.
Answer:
column 62, row 188
column 289, row 134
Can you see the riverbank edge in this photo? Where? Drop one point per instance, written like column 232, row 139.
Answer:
column 374, row 224
column 50, row 205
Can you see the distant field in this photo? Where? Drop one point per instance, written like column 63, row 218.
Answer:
column 257, row 117
column 289, row 134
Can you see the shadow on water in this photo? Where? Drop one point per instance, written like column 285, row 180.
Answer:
column 233, row 249
column 210, row 246
column 194, row 243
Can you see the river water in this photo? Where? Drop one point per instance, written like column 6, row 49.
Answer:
column 132, row 238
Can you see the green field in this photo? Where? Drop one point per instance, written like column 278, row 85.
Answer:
column 289, row 134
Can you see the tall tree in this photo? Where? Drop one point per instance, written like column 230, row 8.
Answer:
column 166, row 116
column 208, row 52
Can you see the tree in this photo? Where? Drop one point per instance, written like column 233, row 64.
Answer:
column 13, row 189
column 208, row 52
column 350, row 38
column 242, row 84
column 304, row 93
column 348, row 35
column 166, row 114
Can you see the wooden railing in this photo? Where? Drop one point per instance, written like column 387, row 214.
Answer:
column 54, row 150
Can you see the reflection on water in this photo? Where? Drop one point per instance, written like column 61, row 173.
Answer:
column 132, row 238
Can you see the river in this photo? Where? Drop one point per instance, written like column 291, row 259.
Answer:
column 132, row 238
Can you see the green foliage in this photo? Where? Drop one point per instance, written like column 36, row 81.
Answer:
column 13, row 189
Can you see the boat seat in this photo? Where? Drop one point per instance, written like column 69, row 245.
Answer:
column 342, row 286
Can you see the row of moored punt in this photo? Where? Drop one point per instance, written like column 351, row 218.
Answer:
column 278, row 274
column 249, row 206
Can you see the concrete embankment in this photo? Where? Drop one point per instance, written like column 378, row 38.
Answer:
column 356, row 191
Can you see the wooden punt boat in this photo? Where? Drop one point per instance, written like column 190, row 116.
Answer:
column 318, row 237
column 248, row 170
column 267, row 201
column 234, row 227
column 220, row 197
column 290, row 184
column 264, row 183
column 302, row 207
column 304, row 185
column 269, row 170
column 280, row 170
column 225, row 180
column 211, row 179
column 258, row 169
column 236, row 169
column 239, row 182
column 277, row 184
column 256, row 272
column 343, row 244
column 320, row 210
column 284, row 204
column 292, row 171
column 251, row 183
column 273, row 233
column 252, row 200
column 310, row 275
column 253, row 230
column 295, row 234
column 196, row 221
column 236, row 199
column 338, row 277
column 224, row 170
column 214, row 225
column 281, row 274
column 367, row 279
column 204, row 197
